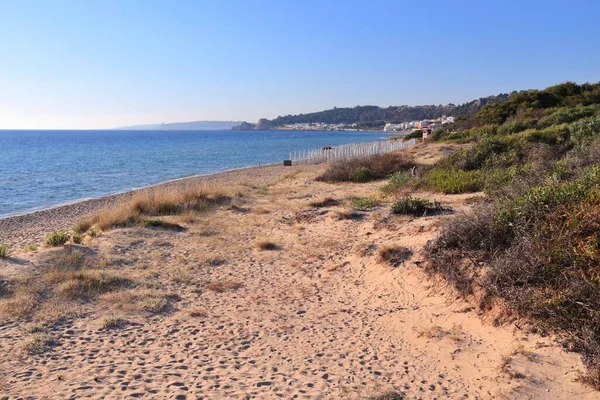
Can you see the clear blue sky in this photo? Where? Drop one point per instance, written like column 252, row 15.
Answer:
column 100, row 64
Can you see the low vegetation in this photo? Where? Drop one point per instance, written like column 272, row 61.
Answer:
column 57, row 238
column 449, row 180
column 222, row 286
column 397, row 181
column 62, row 275
column 30, row 248
column 113, row 323
column 364, row 203
column 394, row 255
column 160, row 224
column 152, row 203
column 391, row 395
column 534, row 244
column 415, row 206
column 37, row 343
column 324, row 202
column 77, row 238
column 3, row 250
column 348, row 214
column 367, row 169
column 267, row 245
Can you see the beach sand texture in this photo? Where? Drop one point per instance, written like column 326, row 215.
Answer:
column 318, row 316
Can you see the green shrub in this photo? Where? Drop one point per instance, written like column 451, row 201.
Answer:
column 452, row 181
column 415, row 206
column 3, row 250
column 77, row 238
column 30, row 248
column 540, row 200
column 361, row 174
column 566, row 114
column 397, row 181
column 57, row 238
column 499, row 179
column 515, row 126
column 584, row 131
column 418, row 134
column 364, row 202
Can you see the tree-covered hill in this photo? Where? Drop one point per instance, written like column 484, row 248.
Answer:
column 380, row 115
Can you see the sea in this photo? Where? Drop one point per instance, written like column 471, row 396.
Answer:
column 39, row 169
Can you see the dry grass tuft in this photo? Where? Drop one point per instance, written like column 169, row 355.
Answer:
column 82, row 227
column 215, row 261
column 394, row 255
column 20, row 301
column 149, row 300
column 156, row 202
column 87, row 283
column 198, row 312
column 392, row 395
column 348, row 214
column 113, row 323
column 266, row 245
column 225, row 285
column 324, row 202
column 30, row 248
column 37, row 343
column 151, row 223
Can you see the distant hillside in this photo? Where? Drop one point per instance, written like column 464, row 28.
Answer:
column 184, row 126
column 373, row 115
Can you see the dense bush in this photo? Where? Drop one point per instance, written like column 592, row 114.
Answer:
column 566, row 114
column 451, row 180
column 584, row 131
column 535, row 242
column 366, row 169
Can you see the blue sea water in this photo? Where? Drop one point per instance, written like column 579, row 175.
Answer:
column 44, row 168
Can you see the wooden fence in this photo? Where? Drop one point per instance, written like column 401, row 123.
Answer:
column 347, row 151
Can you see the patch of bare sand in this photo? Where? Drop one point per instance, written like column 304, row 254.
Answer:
column 320, row 315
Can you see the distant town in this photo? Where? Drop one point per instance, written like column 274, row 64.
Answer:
column 401, row 127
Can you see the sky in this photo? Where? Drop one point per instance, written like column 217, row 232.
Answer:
column 87, row 64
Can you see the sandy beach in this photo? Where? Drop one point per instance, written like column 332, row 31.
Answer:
column 30, row 228
column 211, row 311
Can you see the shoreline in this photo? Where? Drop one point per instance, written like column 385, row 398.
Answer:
column 125, row 191
column 28, row 228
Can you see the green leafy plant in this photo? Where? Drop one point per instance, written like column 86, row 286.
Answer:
column 3, row 250
column 361, row 174
column 452, row 181
column 57, row 238
column 415, row 206
column 397, row 181
column 364, row 202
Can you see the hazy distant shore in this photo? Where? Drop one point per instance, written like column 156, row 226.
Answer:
column 30, row 228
